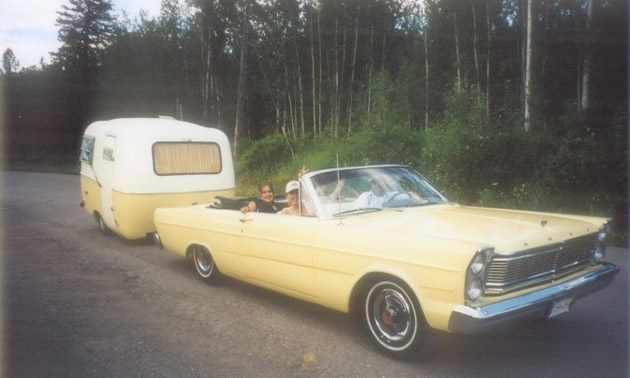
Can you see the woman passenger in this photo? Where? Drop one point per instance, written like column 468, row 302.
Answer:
column 292, row 194
column 264, row 204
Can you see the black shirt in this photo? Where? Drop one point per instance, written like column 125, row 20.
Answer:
column 266, row 207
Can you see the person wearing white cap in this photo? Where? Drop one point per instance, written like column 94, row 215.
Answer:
column 292, row 194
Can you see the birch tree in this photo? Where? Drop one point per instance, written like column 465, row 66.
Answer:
column 457, row 55
column 313, row 83
column 528, row 68
column 475, row 47
column 242, row 81
column 354, row 61
column 584, row 99
column 489, row 36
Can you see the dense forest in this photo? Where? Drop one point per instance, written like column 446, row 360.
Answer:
column 516, row 103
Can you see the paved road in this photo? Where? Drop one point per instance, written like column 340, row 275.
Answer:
column 77, row 303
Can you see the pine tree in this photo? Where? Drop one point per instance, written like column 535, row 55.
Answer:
column 85, row 29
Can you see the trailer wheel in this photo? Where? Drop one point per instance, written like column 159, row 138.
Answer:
column 101, row 224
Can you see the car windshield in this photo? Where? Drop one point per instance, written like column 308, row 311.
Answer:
column 360, row 190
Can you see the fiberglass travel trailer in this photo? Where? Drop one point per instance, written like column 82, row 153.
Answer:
column 130, row 167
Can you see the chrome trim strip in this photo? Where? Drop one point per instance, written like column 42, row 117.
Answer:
column 471, row 320
column 554, row 248
column 498, row 289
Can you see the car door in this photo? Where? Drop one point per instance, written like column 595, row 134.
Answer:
column 277, row 252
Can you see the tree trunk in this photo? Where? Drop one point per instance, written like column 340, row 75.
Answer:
column 179, row 114
column 370, row 68
column 426, row 78
column 333, row 103
column 289, row 98
column 300, row 89
column 206, row 56
column 217, row 103
column 274, row 100
column 354, row 61
column 383, row 47
column 457, row 58
column 288, row 85
column 488, row 58
column 475, row 47
column 522, row 51
column 313, row 87
column 578, row 80
column 588, row 56
column 545, row 50
column 528, row 67
column 319, row 99
column 242, row 82
column 343, row 70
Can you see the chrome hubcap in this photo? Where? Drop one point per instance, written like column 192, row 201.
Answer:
column 203, row 261
column 391, row 316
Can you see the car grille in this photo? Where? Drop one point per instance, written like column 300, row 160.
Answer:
column 533, row 266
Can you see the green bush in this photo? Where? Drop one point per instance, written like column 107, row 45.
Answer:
column 563, row 165
column 260, row 161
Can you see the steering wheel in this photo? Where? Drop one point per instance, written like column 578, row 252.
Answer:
column 395, row 195
column 392, row 202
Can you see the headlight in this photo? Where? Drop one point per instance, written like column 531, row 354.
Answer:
column 476, row 274
column 477, row 264
column 474, row 290
column 598, row 253
column 599, row 249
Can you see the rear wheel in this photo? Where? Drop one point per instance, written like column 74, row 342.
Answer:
column 204, row 263
column 394, row 319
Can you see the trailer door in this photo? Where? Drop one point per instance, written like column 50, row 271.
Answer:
column 106, row 176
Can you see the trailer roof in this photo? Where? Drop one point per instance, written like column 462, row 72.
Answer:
column 157, row 127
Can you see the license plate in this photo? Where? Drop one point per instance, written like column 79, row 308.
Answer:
column 560, row 307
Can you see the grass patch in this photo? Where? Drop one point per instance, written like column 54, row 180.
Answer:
column 66, row 164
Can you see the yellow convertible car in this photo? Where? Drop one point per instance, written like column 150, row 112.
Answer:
column 380, row 241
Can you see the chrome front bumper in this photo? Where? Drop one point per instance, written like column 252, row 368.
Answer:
column 471, row 320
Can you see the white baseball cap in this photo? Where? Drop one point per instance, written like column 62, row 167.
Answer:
column 292, row 185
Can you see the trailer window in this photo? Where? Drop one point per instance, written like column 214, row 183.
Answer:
column 87, row 149
column 184, row 158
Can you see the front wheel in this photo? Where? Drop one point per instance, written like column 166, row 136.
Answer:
column 394, row 319
column 204, row 263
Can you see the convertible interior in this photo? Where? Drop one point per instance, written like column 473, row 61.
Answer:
column 237, row 203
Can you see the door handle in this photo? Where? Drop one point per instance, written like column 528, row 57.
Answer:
column 243, row 220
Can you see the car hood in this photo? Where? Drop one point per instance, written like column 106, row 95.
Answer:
column 507, row 230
